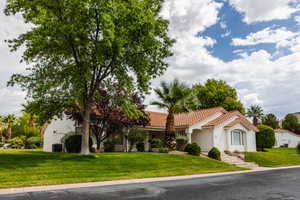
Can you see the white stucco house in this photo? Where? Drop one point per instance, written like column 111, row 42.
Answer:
column 285, row 138
column 209, row 128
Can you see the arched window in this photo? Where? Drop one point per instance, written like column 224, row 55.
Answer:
column 237, row 137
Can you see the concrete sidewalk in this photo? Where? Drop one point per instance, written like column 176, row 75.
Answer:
column 130, row 181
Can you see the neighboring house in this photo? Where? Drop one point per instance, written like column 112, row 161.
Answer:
column 297, row 114
column 209, row 128
column 285, row 138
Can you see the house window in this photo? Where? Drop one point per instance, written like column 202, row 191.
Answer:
column 237, row 137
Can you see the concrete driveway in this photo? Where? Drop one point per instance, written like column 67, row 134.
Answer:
column 283, row 184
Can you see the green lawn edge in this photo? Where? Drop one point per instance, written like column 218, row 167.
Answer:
column 279, row 157
column 24, row 168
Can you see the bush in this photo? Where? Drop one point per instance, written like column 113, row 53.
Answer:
column 163, row 150
column 298, row 148
column 155, row 143
column 140, row 147
column 214, row 153
column 135, row 136
column 73, row 144
column 180, row 143
column 34, row 142
column 93, row 150
column 17, row 142
column 265, row 138
column 1, row 141
column 193, row 149
column 109, row 146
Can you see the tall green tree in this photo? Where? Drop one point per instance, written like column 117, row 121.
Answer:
column 270, row 120
column 26, row 126
column 265, row 138
column 175, row 97
column 256, row 113
column 215, row 93
column 10, row 120
column 75, row 45
column 2, row 128
column 291, row 123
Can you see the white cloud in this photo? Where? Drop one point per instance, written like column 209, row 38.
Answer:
column 226, row 34
column 10, row 98
column 280, row 36
column 223, row 25
column 297, row 19
column 265, row 10
column 190, row 16
column 258, row 78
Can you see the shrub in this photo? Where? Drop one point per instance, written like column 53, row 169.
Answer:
column 140, row 147
column 298, row 148
column 180, row 143
column 155, row 143
column 17, row 142
column 33, row 142
column 163, row 150
column 135, row 136
column 265, row 138
column 193, row 149
column 73, row 144
column 214, row 153
column 109, row 146
column 93, row 149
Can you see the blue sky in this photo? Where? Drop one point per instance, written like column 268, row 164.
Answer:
column 237, row 28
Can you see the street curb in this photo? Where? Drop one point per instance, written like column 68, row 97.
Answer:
column 132, row 181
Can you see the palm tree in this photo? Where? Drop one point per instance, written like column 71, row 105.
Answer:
column 175, row 97
column 2, row 128
column 256, row 113
column 10, row 120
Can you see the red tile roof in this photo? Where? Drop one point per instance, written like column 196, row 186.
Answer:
column 191, row 118
column 188, row 119
column 244, row 122
column 157, row 119
column 282, row 131
column 183, row 119
column 222, row 118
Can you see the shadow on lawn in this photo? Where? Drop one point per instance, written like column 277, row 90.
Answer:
column 24, row 159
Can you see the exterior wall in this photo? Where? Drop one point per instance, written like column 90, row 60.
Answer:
column 60, row 128
column 249, row 140
column 55, row 132
column 220, row 138
column 204, row 138
column 287, row 138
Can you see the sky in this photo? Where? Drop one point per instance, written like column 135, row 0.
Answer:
column 254, row 45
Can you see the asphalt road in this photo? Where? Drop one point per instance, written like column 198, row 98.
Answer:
column 269, row 185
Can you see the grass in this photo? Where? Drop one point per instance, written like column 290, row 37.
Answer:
column 274, row 157
column 19, row 168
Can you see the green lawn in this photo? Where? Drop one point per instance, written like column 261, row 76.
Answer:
column 31, row 168
column 274, row 157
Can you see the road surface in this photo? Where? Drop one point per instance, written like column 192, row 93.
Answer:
column 267, row 185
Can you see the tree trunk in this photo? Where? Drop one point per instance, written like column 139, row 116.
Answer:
column 170, row 137
column 98, row 143
column 85, row 150
column 255, row 121
column 9, row 131
column 43, row 129
column 31, row 121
